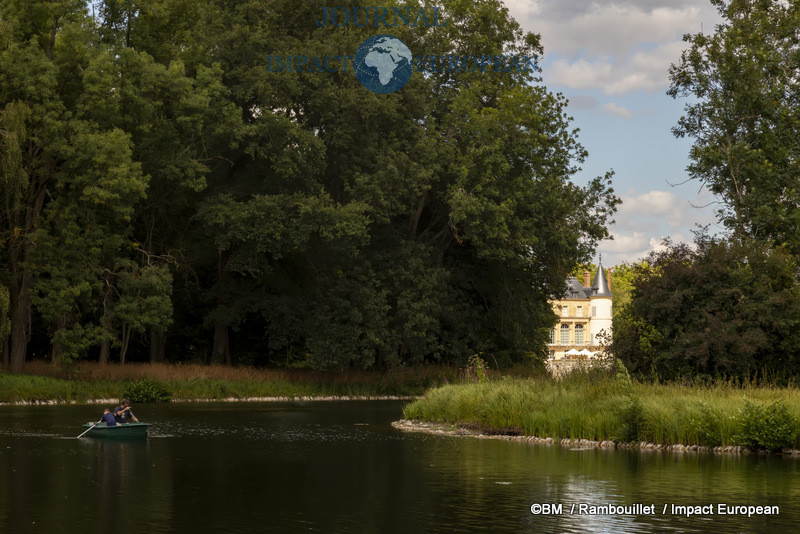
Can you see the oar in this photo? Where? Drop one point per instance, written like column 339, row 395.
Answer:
column 91, row 427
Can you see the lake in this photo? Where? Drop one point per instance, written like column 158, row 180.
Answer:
column 341, row 467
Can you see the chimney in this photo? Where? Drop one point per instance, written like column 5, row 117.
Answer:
column 608, row 278
column 587, row 279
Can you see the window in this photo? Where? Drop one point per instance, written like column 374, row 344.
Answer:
column 552, row 355
column 552, row 335
column 565, row 334
column 564, row 311
column 579, row 334
column 580, row 311
column 594, row 311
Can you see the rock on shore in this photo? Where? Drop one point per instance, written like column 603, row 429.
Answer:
column 441, row 429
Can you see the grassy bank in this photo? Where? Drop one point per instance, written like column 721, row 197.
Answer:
column 44, row 382
column 599, row 407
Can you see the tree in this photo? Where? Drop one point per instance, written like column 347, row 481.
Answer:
column 158, row 177
column 42, row 135
column 84, row 229
column 90, row 129
column 458, row 186
column 144, row 302
column 744, row 116
column 725, row 308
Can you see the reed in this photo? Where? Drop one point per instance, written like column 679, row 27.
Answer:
column 597, row 406
column 44, row 382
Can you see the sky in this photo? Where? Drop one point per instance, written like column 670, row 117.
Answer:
column 611, row 60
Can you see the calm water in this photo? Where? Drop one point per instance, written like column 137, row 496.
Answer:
column 340, row 467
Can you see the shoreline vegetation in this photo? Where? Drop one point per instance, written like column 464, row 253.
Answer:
column 590, row 407
column 440, row 429
column 43, row 383
column 594, row 408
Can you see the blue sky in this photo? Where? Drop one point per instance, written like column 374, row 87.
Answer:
column 611, row 60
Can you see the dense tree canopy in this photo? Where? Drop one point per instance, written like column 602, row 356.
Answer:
column 725, row 308
column 744, row 116
column 165, row 188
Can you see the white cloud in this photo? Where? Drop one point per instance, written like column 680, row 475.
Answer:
column 613, row 56
column 613, row 46
column 626, row 242
column 644, row 70
column 662, row 208
column 614, row 109
column 580, row 73
column 634, row 246
column 658, row 202
column 626, row 246
column 613, row 29
column 645, row 219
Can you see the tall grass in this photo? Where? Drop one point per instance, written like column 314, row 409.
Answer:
column 44, row 382
column 598, row 406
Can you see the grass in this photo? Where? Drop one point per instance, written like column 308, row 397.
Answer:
column 597, row 406
column 44, row 382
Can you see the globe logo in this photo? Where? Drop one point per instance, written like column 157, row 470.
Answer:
column 383, row 64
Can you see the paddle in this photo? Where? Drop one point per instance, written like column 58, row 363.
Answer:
column 91, row 427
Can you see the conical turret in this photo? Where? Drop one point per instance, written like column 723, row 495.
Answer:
column 600, row 285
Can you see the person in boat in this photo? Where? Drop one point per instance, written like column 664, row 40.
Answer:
column 108, row 418
column 122, row 412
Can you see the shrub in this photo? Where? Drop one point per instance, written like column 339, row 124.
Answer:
column 708, row 426
column 632, row 418
column 148, row 390
column 623, row 377
column 712, row 310
column 769, row 427
column 475, row 371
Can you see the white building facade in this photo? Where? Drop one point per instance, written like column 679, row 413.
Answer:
column 585, row 318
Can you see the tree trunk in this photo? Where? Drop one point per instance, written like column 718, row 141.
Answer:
column 158, row 342
column 128, row 29
column 24, row 199
column 105, row 346
column 20, row 323
column 126, row 339
column 51, row 45
column 222, row 350
column 105, row 351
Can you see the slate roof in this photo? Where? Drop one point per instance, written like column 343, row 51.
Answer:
column 576, row 290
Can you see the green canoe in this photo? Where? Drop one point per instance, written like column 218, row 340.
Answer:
column 118, row 431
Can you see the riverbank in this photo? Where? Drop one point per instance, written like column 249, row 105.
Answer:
column 602, row 409
column 439, row 429
column 42, row 383
column 110, row 401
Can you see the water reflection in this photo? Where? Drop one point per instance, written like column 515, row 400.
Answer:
column 340, row 467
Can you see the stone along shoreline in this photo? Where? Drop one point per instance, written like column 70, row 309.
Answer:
column 440, row 429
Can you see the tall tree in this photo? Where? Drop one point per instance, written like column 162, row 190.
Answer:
column 450, row 212
column 181, row 119
column 348, row 228
column 744, row 116
column 724, row 308
column 91, row 128
column 35, row 97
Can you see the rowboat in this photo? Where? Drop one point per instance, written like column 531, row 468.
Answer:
column 118, row 431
